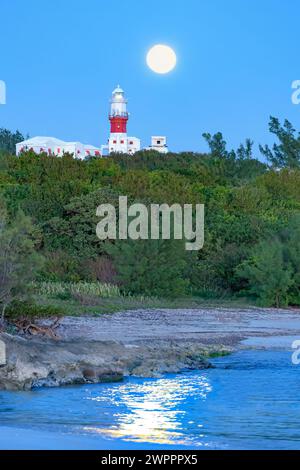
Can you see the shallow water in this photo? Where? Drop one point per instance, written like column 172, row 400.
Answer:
column 249, row 401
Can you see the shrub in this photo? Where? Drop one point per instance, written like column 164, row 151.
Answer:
column 60, row 266
column 151, row 267
column 21, row 309
column 63, row 289
column 269, row 274
column 19, row 261
column 102, row 269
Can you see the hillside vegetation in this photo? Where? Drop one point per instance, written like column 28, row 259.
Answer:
column 252, row 230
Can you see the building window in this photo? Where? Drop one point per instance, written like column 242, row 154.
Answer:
column 122, row 141
column 158, row 142
column 131, row 142
column 114, row 141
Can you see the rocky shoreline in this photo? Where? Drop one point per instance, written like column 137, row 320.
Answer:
column 144, row 343
column 40, row 362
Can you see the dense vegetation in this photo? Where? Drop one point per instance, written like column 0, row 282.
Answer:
column 252, row 215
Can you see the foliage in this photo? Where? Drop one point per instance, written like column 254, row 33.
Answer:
column 151, row 267
column 287, row 152
column 29, row 309
column 217, row 145
column 269, row 276
column 8, row 140
column 251, row 223
column 96, row 289
column 18, row 258
column 272, row 271
column 244, row 152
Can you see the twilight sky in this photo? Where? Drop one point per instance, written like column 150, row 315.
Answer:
column 61, row 59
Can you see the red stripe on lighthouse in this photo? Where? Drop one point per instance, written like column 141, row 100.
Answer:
column 118, row 124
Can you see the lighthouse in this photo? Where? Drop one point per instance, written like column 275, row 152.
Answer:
column 118, row 140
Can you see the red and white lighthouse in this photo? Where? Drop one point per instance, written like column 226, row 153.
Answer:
column 118, row 117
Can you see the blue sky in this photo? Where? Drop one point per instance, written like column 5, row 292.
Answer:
column 236, row 62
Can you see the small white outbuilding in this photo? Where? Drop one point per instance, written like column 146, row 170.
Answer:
column 57, row 147
column 158, row 143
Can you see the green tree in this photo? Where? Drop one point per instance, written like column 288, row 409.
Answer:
column 75, row 230
column 287, row 152
column 291, row 240
column 244, row 152
column 268, row 273
column 19, row 261
column 151, row 267
column 8, row 140
column 217, row 145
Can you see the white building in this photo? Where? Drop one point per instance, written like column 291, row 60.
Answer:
column 158, row 143
column 53, row 146
column 118, row 139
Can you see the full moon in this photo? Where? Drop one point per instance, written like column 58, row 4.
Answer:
column 161, row 59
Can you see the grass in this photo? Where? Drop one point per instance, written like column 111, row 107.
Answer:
column 99, row 306
column 95, row 298
column 94, row 289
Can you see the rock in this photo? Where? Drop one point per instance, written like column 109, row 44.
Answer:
column 145, row 343
column 38, row 362
column 2, row 353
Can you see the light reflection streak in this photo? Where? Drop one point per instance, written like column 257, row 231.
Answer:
column 151, row 411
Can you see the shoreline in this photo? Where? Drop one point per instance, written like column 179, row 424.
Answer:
column 15, row 438
column 19, row 437
column 144, row 343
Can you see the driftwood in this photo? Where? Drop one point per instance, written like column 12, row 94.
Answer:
column 27, row 326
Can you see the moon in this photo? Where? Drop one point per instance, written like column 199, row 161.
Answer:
column 161, row 59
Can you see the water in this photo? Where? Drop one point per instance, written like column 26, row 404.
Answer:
column 249, row 401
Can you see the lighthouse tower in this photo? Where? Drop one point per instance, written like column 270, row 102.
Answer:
column 118, row 117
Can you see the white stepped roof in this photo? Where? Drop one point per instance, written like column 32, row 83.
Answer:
column 51, row 142
column 90, row 147
column 41, row 141
column 72, row 143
